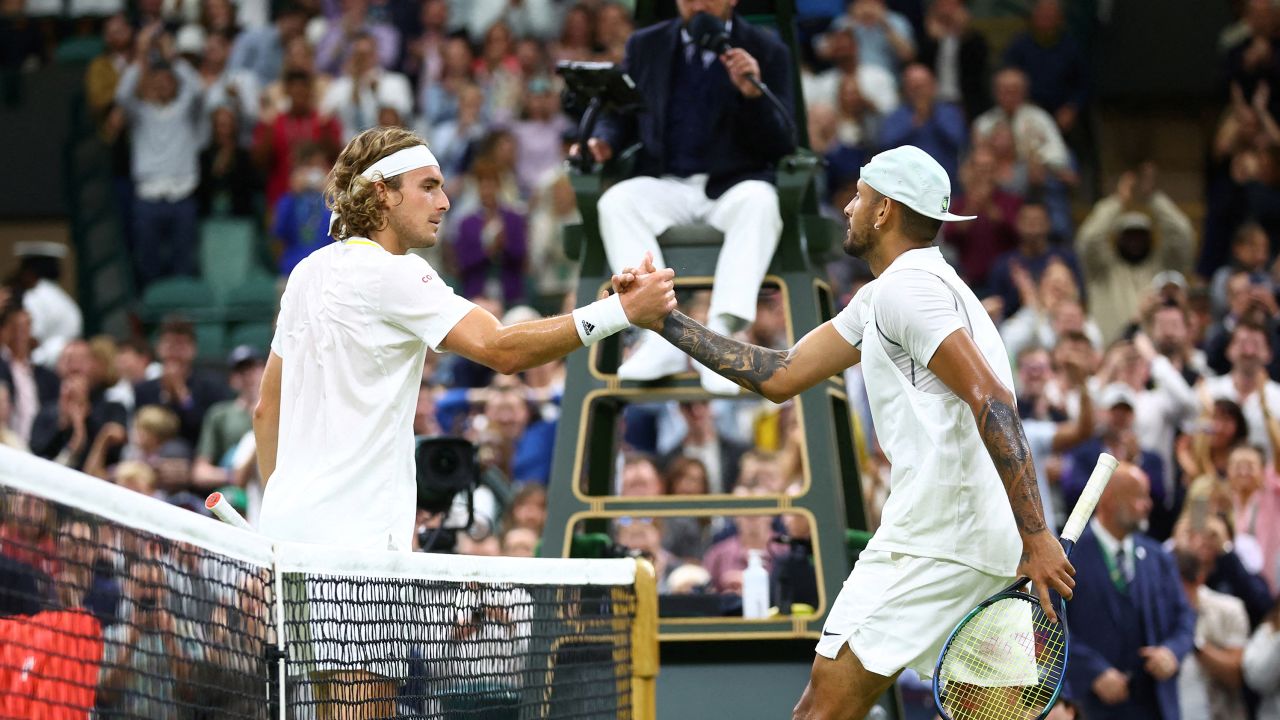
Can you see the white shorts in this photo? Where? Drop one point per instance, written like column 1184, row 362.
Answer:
column 896, row 611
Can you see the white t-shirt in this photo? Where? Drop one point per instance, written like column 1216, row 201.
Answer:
column 916, row 311
column 1222, row 387
column 355, row 323
column 1221, row 620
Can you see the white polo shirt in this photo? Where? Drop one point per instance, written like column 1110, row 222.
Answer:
column 354, row 327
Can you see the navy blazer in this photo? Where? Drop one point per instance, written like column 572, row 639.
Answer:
column 1094, row 614
column 750, row 135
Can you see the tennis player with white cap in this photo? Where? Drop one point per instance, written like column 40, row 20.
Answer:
column 964, row 515
column 335, row 418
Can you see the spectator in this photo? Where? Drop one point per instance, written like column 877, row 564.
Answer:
column 885, row 38
column 1252, row 60
column 640, row 476
column 553, row 208
column 298, row 57
column 236, row 89
column 1048, row 311
column 840, row 48
column 64, row 432
column 1168, row 324
column 149, row 657
column 957, row 55
column 440, row 101
column 1030, row 179
column 334, row 48
column 456, row 138
column 980, row 242
column 161, row 99
column 613, row 27
column 1125, row 241
column 577, row 42
column 528, row 508
column 492, row 246
column 497, row 72
column 1131, row 624
column 55, row 317
column 31, row 386
column 529, row 18
column 1035, row 133
column 262, row 50
column 276, row 144
column 1261, row 663
column 1054, row 64
column 1117, row 438
column 364, row 88
column 1047, row 438
column 519, row 542
column 1248, row 303
column 229, row 181
column 133, row 364
column 228, row 421
column 422, row 60
column 104, row 71
column 922, row 120
column 8, row 437
column 644, row 535
column 726, row 559
column 538, row 135
column 301, row 223
column 1249, row 354
column 180, row 388
column 1210, row 678
column 1255, row 499
column 710, row 143
column 720, row 456
column 521, row 443
column 1250, row 253
column 1034, row 252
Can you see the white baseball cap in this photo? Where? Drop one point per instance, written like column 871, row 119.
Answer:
column 910, row 176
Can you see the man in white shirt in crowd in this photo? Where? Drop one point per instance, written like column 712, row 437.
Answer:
column 1250, row 353
column 334, row 424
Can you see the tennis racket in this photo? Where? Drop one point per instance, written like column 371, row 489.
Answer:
column 1006, row 660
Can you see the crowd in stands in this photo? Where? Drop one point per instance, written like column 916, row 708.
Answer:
column 1133, row 330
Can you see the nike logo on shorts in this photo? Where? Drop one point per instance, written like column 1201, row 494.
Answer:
column 828, row 634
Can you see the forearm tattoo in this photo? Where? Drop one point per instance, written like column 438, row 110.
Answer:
column 747, row 365
column 1002, row 433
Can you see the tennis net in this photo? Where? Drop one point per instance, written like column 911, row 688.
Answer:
column 116, row 605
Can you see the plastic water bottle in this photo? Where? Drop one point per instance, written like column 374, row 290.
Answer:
column 755, row 588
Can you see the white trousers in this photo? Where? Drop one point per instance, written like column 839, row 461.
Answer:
column 635, row 212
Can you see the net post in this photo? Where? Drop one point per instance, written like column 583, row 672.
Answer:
column 644, row 644
column 280, row 654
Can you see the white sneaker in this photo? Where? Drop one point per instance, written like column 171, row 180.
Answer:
column 715, row 383
column 653, row 358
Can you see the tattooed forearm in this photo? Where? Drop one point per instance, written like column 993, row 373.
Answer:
column 1002, row 433
column 748, row 365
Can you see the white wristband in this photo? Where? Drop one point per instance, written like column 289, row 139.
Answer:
column 599, row 320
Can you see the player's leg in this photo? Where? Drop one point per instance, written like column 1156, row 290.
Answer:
column 840, row 689
column 354, row 695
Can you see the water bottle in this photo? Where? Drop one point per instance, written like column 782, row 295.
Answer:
column 755, row 588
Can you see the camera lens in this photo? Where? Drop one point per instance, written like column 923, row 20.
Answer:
column 445, row 462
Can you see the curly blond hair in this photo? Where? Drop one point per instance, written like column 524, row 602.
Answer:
column 351, row 196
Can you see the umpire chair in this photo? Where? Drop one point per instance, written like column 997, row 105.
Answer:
column 581, row 492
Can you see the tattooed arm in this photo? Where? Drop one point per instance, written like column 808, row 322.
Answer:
column 960, row 365
column 775, row 374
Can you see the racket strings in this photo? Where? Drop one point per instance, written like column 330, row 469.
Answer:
column 1004, row 663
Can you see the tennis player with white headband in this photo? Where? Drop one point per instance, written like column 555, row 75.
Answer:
column 334, row 422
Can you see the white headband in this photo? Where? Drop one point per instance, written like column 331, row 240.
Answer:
column 397, row 163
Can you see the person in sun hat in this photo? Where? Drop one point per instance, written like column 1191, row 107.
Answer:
column 965, row 516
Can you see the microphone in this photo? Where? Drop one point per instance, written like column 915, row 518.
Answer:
column 708, row 33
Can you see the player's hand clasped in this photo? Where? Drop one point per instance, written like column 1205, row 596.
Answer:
column 648, row 294
column 1046, row 564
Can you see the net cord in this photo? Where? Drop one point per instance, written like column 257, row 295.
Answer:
column 65, row 486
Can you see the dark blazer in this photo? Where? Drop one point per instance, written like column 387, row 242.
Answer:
column 1094, row 615
column 750, row 136
column 204, row 391
column 974, row 82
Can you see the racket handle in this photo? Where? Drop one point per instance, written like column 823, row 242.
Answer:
column 217, row 504
column 1089, row 497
